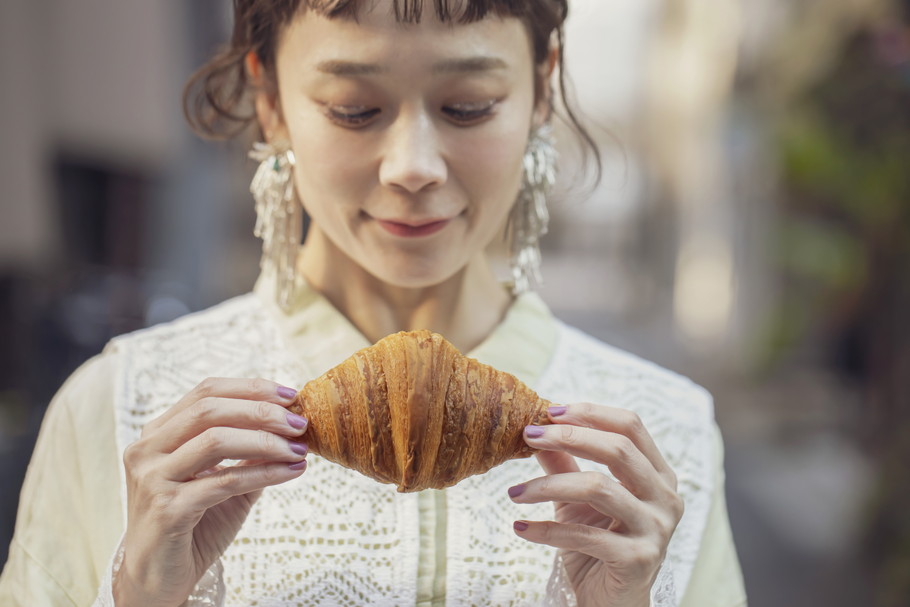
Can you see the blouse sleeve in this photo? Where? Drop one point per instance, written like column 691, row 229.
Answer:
column 69, row 520
column 716, row 580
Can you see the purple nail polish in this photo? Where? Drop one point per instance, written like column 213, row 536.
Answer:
column 520, row 525
column 298, row 448
column 516, row 490
column 285, row 392
column 557, row 410
column 297, row 422
column 298, row 466
column 533, row 431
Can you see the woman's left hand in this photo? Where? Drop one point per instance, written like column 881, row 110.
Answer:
column 613, row 535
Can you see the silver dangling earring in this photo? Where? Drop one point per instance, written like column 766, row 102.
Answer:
column 529, row 217
column 279, row 216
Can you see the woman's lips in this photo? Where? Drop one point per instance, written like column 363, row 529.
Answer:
column 406, row 230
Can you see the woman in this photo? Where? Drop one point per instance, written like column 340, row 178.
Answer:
column 407, row 137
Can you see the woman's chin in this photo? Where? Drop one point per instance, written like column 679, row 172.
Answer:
column 414, row 282
column 415, row 276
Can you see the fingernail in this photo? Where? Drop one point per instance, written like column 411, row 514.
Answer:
column 297, row 422
column 557, row 410
column 520, row 525
column 298, row 448
column 298, row 466
column 516, row 490
column 533, row 431
column 285, row 392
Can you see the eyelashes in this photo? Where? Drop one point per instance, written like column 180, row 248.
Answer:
column 352, row 117
column 469, row 113
column 462, row 114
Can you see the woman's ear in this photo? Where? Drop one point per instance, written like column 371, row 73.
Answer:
column 268, row 106
column 544, row 106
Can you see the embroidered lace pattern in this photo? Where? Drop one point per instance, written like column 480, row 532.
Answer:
column 105, row 596
column 333, row 537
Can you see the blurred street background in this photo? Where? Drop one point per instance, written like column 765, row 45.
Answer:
column 751, row 231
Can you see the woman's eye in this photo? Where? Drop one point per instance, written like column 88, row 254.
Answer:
column 351, row 117
column 469, row 113
column 465, row 114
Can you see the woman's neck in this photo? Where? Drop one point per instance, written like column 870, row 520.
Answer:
column 465, row 308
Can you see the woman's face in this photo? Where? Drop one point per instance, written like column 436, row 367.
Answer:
column 408, row 137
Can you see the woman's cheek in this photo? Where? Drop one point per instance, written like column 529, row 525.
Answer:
column 324, row 154
column 318, row 144
column 489, row 161
column 499, row 144
column 330, row 167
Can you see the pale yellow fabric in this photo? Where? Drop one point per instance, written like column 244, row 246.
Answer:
column 431, row 564
column 69, row 519
column 717, row 580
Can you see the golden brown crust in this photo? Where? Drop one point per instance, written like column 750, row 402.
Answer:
column 412, row 411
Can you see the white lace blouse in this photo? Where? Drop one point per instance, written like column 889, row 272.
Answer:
column 333, row 537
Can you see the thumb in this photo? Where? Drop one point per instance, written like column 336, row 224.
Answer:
column 556, row 462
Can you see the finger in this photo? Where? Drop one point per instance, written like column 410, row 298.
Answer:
column 620, row 421
column 595, row 542
column 212, row 412
column 211, row 490
column 229, row 387
column 593, row 488
column 556, row 462
column 615, row 451
column 218, row 444
column 610, row 547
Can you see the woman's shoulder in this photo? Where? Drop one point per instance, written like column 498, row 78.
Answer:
column 230, row 318
column 90, row 381
column 170, row 344
column 591, row 369
column 152, row 368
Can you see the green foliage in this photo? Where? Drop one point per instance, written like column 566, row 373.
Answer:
column 868, row 185
column 828, row 256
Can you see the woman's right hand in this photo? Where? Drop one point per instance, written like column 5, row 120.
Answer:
column 184, row 508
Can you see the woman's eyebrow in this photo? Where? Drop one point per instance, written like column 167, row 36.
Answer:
column 480, row 63
column 470, row 64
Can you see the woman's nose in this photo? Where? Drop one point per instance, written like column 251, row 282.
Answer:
column 412, row 158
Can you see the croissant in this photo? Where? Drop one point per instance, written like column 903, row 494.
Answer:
column 411, row 410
